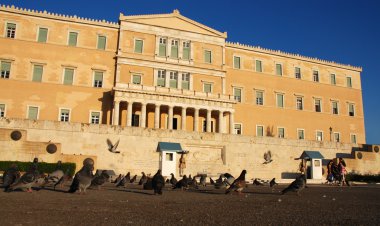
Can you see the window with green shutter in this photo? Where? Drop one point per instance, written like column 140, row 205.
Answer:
column 37, row 73
column 186, row 51
column 332, row 79
column 42, row 34
column 11, row 30
column 186, row 81
column 279, row 69
column 68, row 76
column 102, row 40
column 281, row 132
column 236, row 62
column 73, row 38
column 173, row 79
column 237, row 94
column 162, row 47
column 98, row 79
column 207, row 87
column 207, row 54
column 5, row 69
column 138, row 46
column 349, row 82
column 174, row 49
column 161, row 77
column 259, row 66
column 136, row 79
column 2, row 110
column 32, row 113
column 259, row 131
column 280, row 100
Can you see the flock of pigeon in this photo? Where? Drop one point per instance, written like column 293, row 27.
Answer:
column 84, row 178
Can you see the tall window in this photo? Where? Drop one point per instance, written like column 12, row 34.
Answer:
column 64, row 115
column 236, row 62
column 237, row 94
column 2, row 110
column 259, row 66
column 301, row 134
column 136, row 79
column 174, row 49
column 281, row 132
column 73, row 38
column 95, row 117
column 337, row 137
column 335, row 109
column 351, row 109
column 297, row 72
column 135, row 120
column 353, row 138
column 186, row 50
column 37, row 73
column 315, row 76
column 280, row 100
column 299, row 103
column 162, row 47
column 237, row 128
column 319, row 136
column 279, row 69
column 349, row 82
column 259, row 97
column 5, row 69
column 68, row 76
column 173, row 79
column 11, row 30
column 102, row 40
column 332, row 79
column 207, row 87
column 98, row 79
column 259, row 131
column 317, row 105
column 207, row 56
column 161, row 76
column 138, row 46
column 32, row 113
column 186, row 81
column 42, row 35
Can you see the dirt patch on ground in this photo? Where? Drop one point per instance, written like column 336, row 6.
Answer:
column 258, row 205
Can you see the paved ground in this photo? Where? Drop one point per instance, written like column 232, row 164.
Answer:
column 317, row 205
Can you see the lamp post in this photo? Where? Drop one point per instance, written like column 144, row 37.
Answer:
column 330, row 132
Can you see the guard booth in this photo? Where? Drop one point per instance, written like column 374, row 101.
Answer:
column 168, row 157
column 313, row 162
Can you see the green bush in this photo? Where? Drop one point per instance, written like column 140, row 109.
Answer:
column 363, row 178
column 43, row 167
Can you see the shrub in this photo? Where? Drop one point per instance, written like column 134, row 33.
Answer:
column 43, row 167
column 363, row 178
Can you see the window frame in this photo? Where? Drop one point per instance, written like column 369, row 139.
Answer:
column 133, row 75
column 278, row 132
column 93, row 78
column 281, row 69
column 337, row 107
column 356, row 138
column 204, row 56
column 183, row 48
column 353, row 107
column 334, row 136
column 303, row 134
column 315, row 78
column 33, row 70
column 27, row 111
column 302, row 103
column 6, row 29
column 300, row 73
column 349, row 82
column 90, row 117
column 261, row 65
column 3, row 113
column 262, row 98
column 159, row 75
column 97, row 41
column 240, row 62
column 60, row 114
column 240, row 99
column 163, row 39
column 135, row 45
column 204, row 86
column 171, row 48
column 316, row 135
column 63, row 76
column 320, row 105
column 38, row 34
column 77, row 38
column 173, row 74
column 184, row 75
column 333, row 75
column 9, row 72
column 241, row 128
column 263, row 133
column 283, row 100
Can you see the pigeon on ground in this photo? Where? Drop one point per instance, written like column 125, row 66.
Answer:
column 100, row 179
column 229, row 179
column 28, row 179
column 82, row 179
column 63, row 179
column 193, row 183
column 117, row 179
column 53, row 177
column 10, row 176
column 272, row 182
column 158, row 182
column 124, row 180
column 148, row 184
column 143, row 179
column 267, row 157
column 182, row 184
column 239, row 184
column 297, row 185
column 257, row 182
column 173, row 181
column 212, row 182
column 133, row 179
column 189, row 179
column 202, row 181
column 112, row 147
column 219, row 183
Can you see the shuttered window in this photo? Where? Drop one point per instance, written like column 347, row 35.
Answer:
column 349, row 82
column 297, row 72
column 136, row 79
column 32, row 113
column 280, row 100
column 259, row 98
column 102, row 40
column 207, row 56
column 98, row 79
column 335, row 109
column 5, row 69
column 161, row 77
column 319, row 136
column 237, row 94
column 73, row 38
column 236, row 62
column 207, row 87
column 174, row 49
column 259, row 131
column 138, row 46
column 186, row 81
column 259, row 66
column 315, row 76
column 42, row 34
column 173, row 79
column 37, row 73
column 332, row 79
column 68, row 76
column 301, row 134
column 281, row 132
column 279, row 69
column 351, row 110
column 186, row 51
column 162, row 47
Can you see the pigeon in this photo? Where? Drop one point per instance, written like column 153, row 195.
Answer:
column 212, row 182
column 272, row 182
column 158, row 182
column 297, row 185
column 148, row 184
column 27, row 180
column 268, row 157
column 143, row 179
column 220, row 179
column 173, row 181
column 82, row 179
column 219, row 183
column 239, row 184
column 189, row 179
column 202, row 181
column 257, row 182
column 53, row 177
column 229, row 179
column 182, row 184
column 100, row 179
column 112, row 147
column 10, row 176
column 117, row 179
column 133, row 179
column 63, row 179
column 124, row 180
column 193, row 183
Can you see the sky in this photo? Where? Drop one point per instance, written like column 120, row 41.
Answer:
column 344, row 31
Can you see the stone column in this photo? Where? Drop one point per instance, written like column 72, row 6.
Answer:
column 221, row 124
column 157, row 117
column 183, row 118
column 129, row 113
column 116, row 113
column 208, row 120
column 170, row 117
column 143, row 115
column 231, row 123
column 196, row 119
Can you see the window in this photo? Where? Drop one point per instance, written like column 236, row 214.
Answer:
column 259, row 131
column 32, row 113
column 297, row 72
column 236, row 62
column 64, row 115
column 186, row 50
column 279, row 69
column 186, row 81
column 37, row 73
column 332, row 79
column 353, row 138
column 98, row 79
column 136, row 79
column 169, row 156
column 259, row 98
column 301, row 134
column 299, row 103
column 281, row 132
column 335, row 109
column 2, row 110
column 102, row 40
column 207, row 87
column 237, row 94
column 280, row 100
column 174, row 49
column 237, row 128
column 11, row 30
column 68, row 76
column 173, row 83
column 138, row 46
column 336, row 137
column 162, row 47
column 317, row 105
column 315, row 76
column 5, row 69
column 95, row 117
column 161, row 76
column 73, row 38
column 42, row 35
column 349, row 82
column 259, row 66
column 135, row 120
column 207, row 54
column 319, row 136
column 351, row 109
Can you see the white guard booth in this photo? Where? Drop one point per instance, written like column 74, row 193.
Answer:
column 315, row 158
column 168, row 157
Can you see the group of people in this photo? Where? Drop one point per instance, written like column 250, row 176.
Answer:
column 336, row 172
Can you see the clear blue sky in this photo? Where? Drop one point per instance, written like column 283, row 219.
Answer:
column 344, row 31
